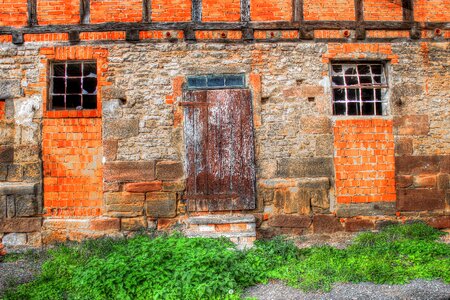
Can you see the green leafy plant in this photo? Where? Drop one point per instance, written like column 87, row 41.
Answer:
column 175, row 267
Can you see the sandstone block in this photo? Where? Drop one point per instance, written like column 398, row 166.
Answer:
column 443, row 181
column 324, row 145
column 366, row 209
column 441, row 222
column 133, row 224
column 169, row 170
column 51, row 237
column 404, row 147
column 20, row 225
column 121, row 129
column 357, row 225
column 26, row 205
column 315, row 124
column 174, row 186
column 412, row 125
column 124, row 204
column 13, row 188
column 143, row 187
column 445, row 164
column 161, row 205
column 110, row 149
column 34, row 239
column 326, row 224
column 425, row 181
column 13, row 240
column 10, row 88
column 105, row 224
column 305, row 167
column 404, row 181
column 32, row 172
column 129, row 171
column 6, row 154
column 420, row 199
column 290, row 221
column 417, row 164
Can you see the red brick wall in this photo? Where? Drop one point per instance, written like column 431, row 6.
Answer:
column 13, row 13
column 329, row 10
column 383, row 10
column 364, row 160
column 50, row 12
column 171, row 11
column 103, row 11
column 432, row 10
column 269, row 10
column 221, row 11
column 72, row 161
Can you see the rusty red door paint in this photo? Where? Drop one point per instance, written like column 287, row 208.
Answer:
column 218, row 131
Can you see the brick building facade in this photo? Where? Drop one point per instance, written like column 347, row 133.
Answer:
column 236, row 118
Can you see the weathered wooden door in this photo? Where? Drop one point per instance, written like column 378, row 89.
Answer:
column 219, row 143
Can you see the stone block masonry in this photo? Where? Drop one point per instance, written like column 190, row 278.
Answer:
column 121, row 167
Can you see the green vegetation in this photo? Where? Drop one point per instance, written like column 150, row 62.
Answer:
column 174, row 267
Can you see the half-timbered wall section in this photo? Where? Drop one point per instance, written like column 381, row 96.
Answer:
column 311, row 116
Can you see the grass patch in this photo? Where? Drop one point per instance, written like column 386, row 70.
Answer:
column 174, row 267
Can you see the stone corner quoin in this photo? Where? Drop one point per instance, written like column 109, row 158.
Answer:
column 221, row 119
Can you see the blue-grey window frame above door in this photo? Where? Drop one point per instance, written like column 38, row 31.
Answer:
column 216, row 81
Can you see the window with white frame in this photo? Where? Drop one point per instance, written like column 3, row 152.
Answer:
column 359, row 89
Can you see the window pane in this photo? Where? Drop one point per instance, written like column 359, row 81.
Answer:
column 377, row 69
column 234, row 80
column 216, row 81
column 378, row 94
column 59, row 85
column 73, row 101
column 74, row 86
column 59, row 70
column 379, row 108
column 197, row 82
column 337, row 69
column 363, row 69
column 74, row 69
column 365, row 80
column 89, row 101
column 368, row 108
column 350, row 70
column 90, row 70
column 367, row 94
column 353, row 108
column 89, row 85
column 339, row 108
column 58, row 102
column 351, row 80
column 339, row 95
column 338, row 80
column 352, row 94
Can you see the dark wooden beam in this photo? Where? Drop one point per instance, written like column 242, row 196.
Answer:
column 359, row 11
column 146, row 11
column 132, row 35
column 74, row 37
column 17, row 38
column 196, row 11
column 32, row 12
column 298, row 11
column 85, row 11
column 408, row 10
column 245, row 10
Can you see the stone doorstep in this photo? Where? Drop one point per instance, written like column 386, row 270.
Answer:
column 14, row 188
column 221, row 219
column 212, row 234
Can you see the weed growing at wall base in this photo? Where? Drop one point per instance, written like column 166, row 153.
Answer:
column 175, row 267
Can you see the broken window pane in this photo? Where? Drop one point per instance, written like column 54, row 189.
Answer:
column 361, row 87
column 216, row 81
column 70, row 81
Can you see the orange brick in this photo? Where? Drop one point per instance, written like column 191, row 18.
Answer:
column 52, row 12
column 103, row 11
column 221, row 11
column 383, row 10
column 13, row 13
column 329, row 10
column 269, row 10
column 432, row 10
column 171, row 11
